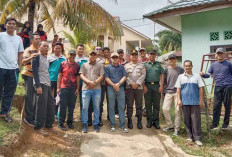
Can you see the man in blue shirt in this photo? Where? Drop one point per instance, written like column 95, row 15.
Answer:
column 115, row 76
column 222, row 73
column 190, row 97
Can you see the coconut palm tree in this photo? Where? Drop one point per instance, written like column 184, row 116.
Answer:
column 71, row 12
column 169, row 40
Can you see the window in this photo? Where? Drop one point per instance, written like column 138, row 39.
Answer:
column 214, row 36
column 227, row 35
column 227, row 48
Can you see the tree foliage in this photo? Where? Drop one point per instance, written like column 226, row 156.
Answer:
column 70, row 12
column 168, row 40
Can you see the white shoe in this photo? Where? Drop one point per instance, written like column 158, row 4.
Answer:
column 189, row 140
column 117, row 116
column 112, row 129
column 176, row 133
column 123, row 130
column 199, row 143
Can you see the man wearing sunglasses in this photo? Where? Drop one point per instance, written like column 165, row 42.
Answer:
column 115, row 76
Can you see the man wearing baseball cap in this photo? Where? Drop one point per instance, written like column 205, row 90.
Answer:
column 68, row 70
column 171, row 74
column 153, row 87
column 115, row 76
column 91, row 73
column 136, row 74
column 221, row 70
column 121, row 57
column 143, row 58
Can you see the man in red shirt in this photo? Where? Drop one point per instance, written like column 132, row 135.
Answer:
column 143, row 58
column 68, row 86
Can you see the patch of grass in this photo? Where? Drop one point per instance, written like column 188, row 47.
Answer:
column 58, row 153
column 213, row 144
column 20, row 88
column 8, row 130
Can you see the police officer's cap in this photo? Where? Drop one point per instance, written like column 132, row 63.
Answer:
column 134, row 52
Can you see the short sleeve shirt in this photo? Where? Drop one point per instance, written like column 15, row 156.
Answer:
column 54, row 65
column 115, row 73
column 222, row 72
column 69, row 71
column 10, row 46
column 170, row 77
column 153, row 71
column 27, row 70
column 92, row 72
column 189, row 86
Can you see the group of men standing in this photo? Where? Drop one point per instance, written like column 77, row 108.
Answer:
column 104, row 73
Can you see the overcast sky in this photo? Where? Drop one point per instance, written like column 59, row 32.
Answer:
column 135, row 9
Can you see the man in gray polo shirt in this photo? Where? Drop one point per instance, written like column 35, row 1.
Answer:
column 92, row 74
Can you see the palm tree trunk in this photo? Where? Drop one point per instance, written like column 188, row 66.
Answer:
column 31, row 13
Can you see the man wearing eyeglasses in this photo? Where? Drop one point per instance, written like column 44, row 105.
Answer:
column 153, row 87
column 115, row 76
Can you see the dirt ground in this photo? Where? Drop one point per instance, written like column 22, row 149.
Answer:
column 30, row 143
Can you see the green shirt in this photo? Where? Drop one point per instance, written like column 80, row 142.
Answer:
column 153, row 71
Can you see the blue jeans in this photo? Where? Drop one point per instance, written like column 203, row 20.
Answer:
column 120, row 97
column 8, row 84
column 95, row 94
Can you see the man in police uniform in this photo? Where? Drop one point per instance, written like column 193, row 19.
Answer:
column 134, row 85
column 153, row 87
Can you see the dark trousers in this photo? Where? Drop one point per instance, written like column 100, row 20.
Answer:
column 134, row 95
column 54, row 93
column 152, row 103
column 45, row 108
column 8, row 84
column 30, row 98
column 222, row 94
column 67, row 99
column 104, row 91
column 192, row 121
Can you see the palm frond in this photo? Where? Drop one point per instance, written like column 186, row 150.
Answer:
column 46, row 16
column 74, row 12
column 12, row 7
column 70, row 38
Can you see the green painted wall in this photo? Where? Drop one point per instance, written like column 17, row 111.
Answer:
column 196, row 30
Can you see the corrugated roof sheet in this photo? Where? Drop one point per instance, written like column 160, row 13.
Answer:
column 182, row 4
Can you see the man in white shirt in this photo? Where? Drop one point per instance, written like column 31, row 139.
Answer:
column 11, row 51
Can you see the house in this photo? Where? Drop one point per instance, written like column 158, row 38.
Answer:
column 204, row 25
column 130, row 39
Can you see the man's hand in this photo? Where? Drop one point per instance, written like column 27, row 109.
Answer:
column 77, row 92
column 161, row 89
column 39, row 90
column 134, row 85
column 117, row 87
column 34, row 55
column 201, row 73
column 91, row 84
column 179, row 103
column 58, row 90
column 201, row 104
column 144, row 89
